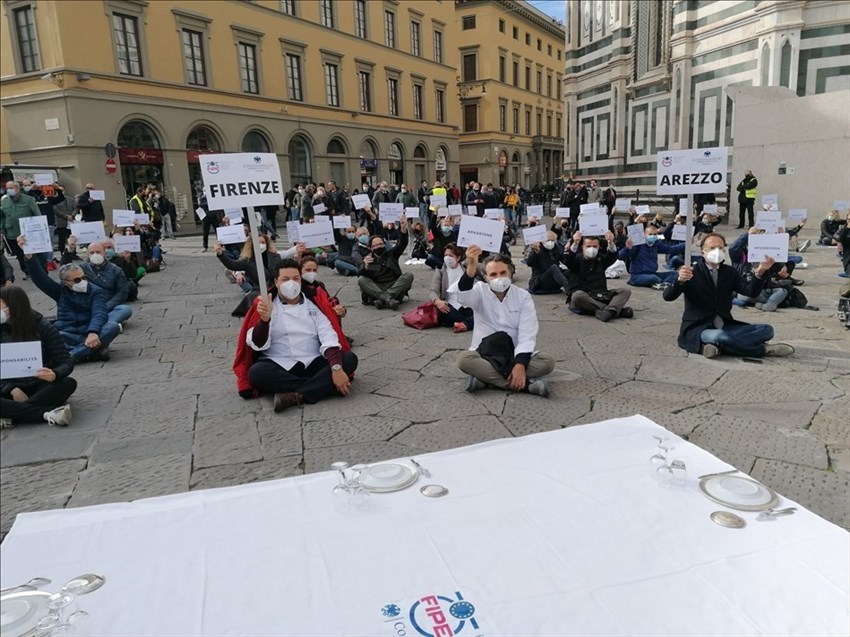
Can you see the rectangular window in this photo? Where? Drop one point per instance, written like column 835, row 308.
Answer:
column 287, row 7
column 559, row 55
column 539, row 83
column 441, row 105
column 548, row 86
column 326, row 13
column 539, row 44
column 516, row 73
column 548, row 126
column 528, row 39
column 501, row 26
column 126, row 30
column 539, row 122
column 558, row 125
column 528, row 122
column 515, row 33
column 503, row 117
column 470, row 67
column 332, row 84
column 417, row 101
column 502, row 72
column 360, row 22
column 438, row 47
column 293, row 77
column 27, row 43
column 527, row 78
column 389, row 29
column 468, row 22
column 415, row 39
column 392, row 94
column 364, row 82
column 549, row 50
column 248, row 67
column 470, row 118
column 516, row 121
column 193, row 56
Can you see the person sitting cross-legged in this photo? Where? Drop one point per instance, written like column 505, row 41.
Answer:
column 502, row 353
column 642, row 260
column 444, row 292
column 298, row 356
column 381, row 281
column 587, row 258
column 109, row 278
column 709, row 286
column 544, row 259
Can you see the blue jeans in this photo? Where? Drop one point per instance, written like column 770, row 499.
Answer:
column 343, row 267
column 76, row 342
column 739, row 340
column 120, row 313
column 646, row 280
column 294, row 213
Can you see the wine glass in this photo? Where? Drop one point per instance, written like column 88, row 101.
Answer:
column 75, row 588
column 342, row 487
column 47, row 625
column 57, row 604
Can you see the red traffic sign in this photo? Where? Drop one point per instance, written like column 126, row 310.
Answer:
column 111, row 166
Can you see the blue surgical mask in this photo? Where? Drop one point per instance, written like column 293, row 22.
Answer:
column 364, row 239
column 110, row 253
column 446, row 230
column 350, row 236
column 651, row 239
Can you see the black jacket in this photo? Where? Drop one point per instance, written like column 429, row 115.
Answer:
column 541, row 261
column 54, row 353
column 704, row 301
column 588, row 275
column 386, row 268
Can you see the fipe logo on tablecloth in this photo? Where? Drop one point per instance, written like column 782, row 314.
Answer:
column 433, row 616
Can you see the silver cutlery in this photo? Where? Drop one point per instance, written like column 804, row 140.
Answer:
column 772, row 514
column 33, row 584
column 422, row 470
column 721, row 473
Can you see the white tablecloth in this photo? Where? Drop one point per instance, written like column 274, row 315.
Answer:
column 561, row 533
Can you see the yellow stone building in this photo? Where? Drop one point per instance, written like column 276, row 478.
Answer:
column 510, row 69
column 350, row 90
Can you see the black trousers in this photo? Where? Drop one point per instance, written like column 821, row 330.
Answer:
column 314, row 381
column 62, row 235
column 18, row 251
column 746, row 205
column 43, row 396
column 208, row 222
column 463, row 315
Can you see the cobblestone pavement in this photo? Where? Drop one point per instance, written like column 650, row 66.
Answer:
column 163, row 415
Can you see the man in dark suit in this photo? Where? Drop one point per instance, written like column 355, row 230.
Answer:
column 709, row 287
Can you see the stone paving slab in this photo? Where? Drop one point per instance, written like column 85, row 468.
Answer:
column 37, row 487
column 232, row 474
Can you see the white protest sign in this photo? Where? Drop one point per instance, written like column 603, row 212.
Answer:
column 361, row 201
column 769, row 225
column 319, row 208
column 624, row 205
column 455, row 210
column 411, row 213
column 642, row 210
column 710, row 209
column 442, row 211
column 680, row 232
column 20, row 360
column 97, row 195
column 637, row 235
column 234, row 214
column 589, row 209
column 292, row 231
column 129, row 243
column 341, row 222
column 767, row 245
column 841, row 205
column 37, row 233
column 770, row 202
column 390, row 212
column 798, row 214
column 534, row 212
column 316, row 235
column 481, row 232
column 768, row 220
column 124, row 218
column 242, row 179
column 591, row 225
column 198, row 211
column 43, row 179
column 700, row 170
column 562, row 213
column 683, row 207
column 88, row 231
column 534, row 234
column 231, row 234
column 438, row 200
column 144, row 219
column 492, row 213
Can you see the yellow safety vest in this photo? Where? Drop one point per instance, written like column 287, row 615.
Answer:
column 438, row 191
column 750, row 194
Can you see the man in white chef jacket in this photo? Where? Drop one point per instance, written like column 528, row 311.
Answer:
column 501, row 310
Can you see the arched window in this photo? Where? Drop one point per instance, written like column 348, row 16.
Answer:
column 785, row 65
column 367, row 149
column 419, row 152
column 137, row 134
column 765, row 65
column 255, row 142
column 205, row 139
column 300, row 160
column 335, row 147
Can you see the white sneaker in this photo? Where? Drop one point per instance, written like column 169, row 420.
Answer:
column 6, row 423
column 59, row 417
column 805, row 245
column 802, row 265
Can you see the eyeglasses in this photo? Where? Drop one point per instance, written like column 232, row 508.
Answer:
column 77, row 279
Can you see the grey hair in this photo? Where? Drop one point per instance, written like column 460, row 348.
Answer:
column 498, row 257
column 65, row 269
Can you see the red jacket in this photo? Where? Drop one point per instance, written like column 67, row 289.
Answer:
column 245, row 355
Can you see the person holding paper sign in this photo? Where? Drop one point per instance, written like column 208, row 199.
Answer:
column 13, row 206
column 292, row 349
column 444, row 231
column 828, row 227
column 91, row 209
column 545, row 259
column 111, row 280
column 43, row 397
column 381, row 281
column 642, row 261
column 587, row 258
column 444, row 292
column 707, row 324
column 502, row 353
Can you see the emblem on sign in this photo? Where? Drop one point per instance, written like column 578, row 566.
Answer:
column 212, row 168
column 434, row 616
column 666, row 162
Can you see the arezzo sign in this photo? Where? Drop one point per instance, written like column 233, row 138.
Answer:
column 685, row 172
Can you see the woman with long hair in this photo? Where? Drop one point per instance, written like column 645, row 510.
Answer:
column 42, row 397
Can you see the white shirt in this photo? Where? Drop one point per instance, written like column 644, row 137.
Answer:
column 297, row 333
column 452, row 277
column 514, row 315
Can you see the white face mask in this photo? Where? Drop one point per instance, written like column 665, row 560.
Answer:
column 310, row 277
column 96, row 258
column 715, row 256
column 290, row 289
column 450, row 262
column 82, row 286
column 548, row 244
column 590, row 253
column 500, row 285
column 263, row 248
column 4, row 316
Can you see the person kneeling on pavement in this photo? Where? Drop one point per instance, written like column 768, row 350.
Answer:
column 587, row 258
column 42, row 397
column 381, row 281
column 502, row 352
column 298, row 356
column 709, row 286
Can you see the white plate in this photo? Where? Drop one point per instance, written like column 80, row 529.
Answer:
column 20, row 612
column 385, row 477
column 738, row 492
